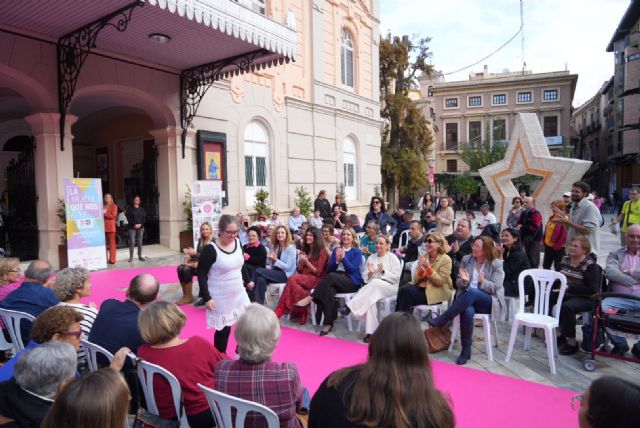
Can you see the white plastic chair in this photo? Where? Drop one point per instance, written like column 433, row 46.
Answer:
column 404, row 238
column 511, row 306
column 222, row 406
column 543, row 281
column 146, row 373
column 12, row 320
column 489, row 337
column 92, row 350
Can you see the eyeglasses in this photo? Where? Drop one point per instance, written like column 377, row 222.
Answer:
column 16, row 270
column 77, row 334
column 575, row 401
column 376, row 202
column 230, row 232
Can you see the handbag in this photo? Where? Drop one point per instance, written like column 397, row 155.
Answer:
column 145, row 419
column 438, row 338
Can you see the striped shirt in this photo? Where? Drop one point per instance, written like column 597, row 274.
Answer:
column 582, row 279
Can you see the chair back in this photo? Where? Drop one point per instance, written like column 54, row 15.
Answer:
column 92, row 350
column 146, row 373
column 223, row 406
column 12, row 320
column 404, row 238
column 543, row 281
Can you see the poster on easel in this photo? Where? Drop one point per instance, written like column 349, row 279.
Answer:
column 85, row 223
column 206, row 206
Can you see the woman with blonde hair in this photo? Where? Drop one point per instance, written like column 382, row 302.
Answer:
column 189, row 267
column 77, row 405
column 480, row 285
column 554, row 238
column 160, row 324
column 394, row 388
column 430, row 276
column 381, row 276
column 9, row 275
column 281, row 263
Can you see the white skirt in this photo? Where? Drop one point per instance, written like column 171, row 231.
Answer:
column 229, row 302
column 369, row 294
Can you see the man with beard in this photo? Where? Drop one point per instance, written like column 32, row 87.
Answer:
column 584, row 217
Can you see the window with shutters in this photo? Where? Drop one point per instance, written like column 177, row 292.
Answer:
column 256, row 160
column 346, row 59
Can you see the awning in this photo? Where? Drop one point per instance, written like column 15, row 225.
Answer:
column 200, row 31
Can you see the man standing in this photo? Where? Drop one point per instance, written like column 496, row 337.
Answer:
column 623, row 272
column 489, row 217
column 584, row 217
column 322, row 204
column 629, row 214
column 530, row 227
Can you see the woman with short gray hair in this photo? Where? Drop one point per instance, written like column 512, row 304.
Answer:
column 40, row 374
column 70, row 286
column 254, row 376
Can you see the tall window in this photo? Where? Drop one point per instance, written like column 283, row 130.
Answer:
column 475, row 132
column 346, row 58
column 256, row 156
column 350, row 180
column 550, row 126
column 451, row 135
column 499, row 130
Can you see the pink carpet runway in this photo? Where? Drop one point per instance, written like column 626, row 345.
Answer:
column 480, row 399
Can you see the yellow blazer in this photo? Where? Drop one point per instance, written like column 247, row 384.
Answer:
column 438, row 286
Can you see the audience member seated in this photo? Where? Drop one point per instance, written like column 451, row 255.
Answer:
column 431, row 276
column 117, row 322
column 316, row 221
column 378, row 213
column 398, row 215
column 299, row 237
column 460, row 245
column 381, row 280
column 623, row 273
column 267, row 235
column 583, row 276
column 60, row 324
column 515, row 260
column 368, row 241
column 339, row 202
column 328, row 238
column 255, row 256
column 32, row 296
column 160, row 325
column 281, row 262
column 275, row 218
column 344, row 277
column 39, row 376
column 9, row 277
column 189, row 268
column 312, row 265
column 403, row 225
column 480, row 290
column 354, row 223
column 394, row 388
column 428, row 220
column 255, row 377
column 338, row 220
column 295, row 221
column 610, row 402
column 243, row 222
column 409, row 252
column 78, row 407
column 72, row 284
column 554, row 238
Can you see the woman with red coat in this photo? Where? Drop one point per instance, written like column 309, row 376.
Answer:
column 110, row 216
column 312, row 263
column 554, row 239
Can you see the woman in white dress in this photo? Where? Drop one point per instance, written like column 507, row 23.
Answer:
column 220, row 268
column 381, row 274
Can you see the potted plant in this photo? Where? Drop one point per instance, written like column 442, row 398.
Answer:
column 261, row 205
column 303, row 201
column 186, row 235
column 61, row 212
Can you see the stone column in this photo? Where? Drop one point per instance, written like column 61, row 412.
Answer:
column 51, row 166
column 174, row 174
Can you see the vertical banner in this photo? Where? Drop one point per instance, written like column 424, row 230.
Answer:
column 85, row 223
column 206, row 206
column 432, row 179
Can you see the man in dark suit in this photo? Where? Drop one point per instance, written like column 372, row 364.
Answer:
column 460, row 243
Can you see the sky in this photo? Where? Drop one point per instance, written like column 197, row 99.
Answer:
column 558, row 34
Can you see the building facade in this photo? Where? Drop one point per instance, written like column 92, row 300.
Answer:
column 484, row 108
column 136, row 119
column 624, row 103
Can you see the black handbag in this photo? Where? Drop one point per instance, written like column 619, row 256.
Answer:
column 145, row 419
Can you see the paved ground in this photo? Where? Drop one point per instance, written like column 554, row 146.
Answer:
column 531, row 365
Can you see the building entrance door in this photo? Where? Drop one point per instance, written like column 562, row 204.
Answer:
column 143, row 181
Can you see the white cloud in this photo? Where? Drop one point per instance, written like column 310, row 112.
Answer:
column 557, row 32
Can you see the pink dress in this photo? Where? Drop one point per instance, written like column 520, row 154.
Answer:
column 5, row 290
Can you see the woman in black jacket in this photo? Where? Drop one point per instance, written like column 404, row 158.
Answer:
column 322, row 204
column 515, row 261
column 255, row 256
column 136, row 217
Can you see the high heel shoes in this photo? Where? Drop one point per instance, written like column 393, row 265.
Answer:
column 326, row 331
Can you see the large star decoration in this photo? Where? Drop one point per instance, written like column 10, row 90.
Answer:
column 528, row 153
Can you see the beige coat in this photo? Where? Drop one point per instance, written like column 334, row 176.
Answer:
column 439, row 285
column 445, row 222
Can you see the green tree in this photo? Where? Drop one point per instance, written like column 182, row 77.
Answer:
column 405, row 135
column 187, row 209
column 464, row 185
column 303, row 201
column 340, row 191
column 479, row 155
column 261, row 205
